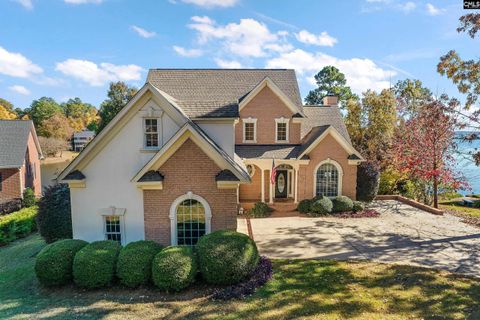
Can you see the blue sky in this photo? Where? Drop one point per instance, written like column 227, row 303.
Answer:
column 69, row 48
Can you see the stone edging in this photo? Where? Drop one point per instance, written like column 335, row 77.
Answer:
column 411, row 202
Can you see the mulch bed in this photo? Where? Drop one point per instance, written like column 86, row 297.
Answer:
column 368, row 213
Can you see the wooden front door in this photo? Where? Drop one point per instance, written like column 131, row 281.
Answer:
column 281, row 184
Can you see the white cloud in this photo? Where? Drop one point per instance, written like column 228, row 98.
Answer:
column 142, row 32
column 434, row 11
column 323, row 39
column 83, row 1
column 98, row 75
column 212, row 3
column 248, row 38
column 27, row 4
column 16, row 65
column 407, row 6
column 228, row 64
column 20, row 90
column 191, row 53
column 361, row 74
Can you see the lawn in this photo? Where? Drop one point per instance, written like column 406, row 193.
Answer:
column 455, row 206
column 299, row 289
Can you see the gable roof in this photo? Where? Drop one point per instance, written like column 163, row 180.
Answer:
column 215, row 93
column 268, row 151
column 318, row 116
column 14, row 141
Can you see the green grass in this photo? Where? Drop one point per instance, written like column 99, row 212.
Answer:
column 307, row 289
column 455, row 206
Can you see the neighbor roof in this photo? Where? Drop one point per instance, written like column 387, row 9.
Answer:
column 14, row 141
column 215, row 93
column 319, row 116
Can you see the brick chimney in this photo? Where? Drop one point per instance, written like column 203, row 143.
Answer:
column 330, row 100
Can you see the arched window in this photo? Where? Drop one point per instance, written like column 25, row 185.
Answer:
column 328, row 180
column 190, row 217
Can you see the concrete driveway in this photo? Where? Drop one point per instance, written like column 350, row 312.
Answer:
column 402, row 234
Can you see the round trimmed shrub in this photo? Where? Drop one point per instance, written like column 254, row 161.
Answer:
column 174, row 268
column 358, row 206
column 322, row 206
column 94, row 265
column 304, row 206
column 342, row 204
column 134, row 265
column 53, row 265
column 226, row 257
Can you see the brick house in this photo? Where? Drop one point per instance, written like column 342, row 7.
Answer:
column 20, row 155
column 193, row 146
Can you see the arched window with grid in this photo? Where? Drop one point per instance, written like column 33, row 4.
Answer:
column 327, row 183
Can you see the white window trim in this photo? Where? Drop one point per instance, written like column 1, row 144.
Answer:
column 114, row 211
column 340, row 175
column 254, row 121
column 144, row 120
column 282, row 120
column 173, row 215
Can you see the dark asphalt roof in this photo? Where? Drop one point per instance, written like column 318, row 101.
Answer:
column 226, row 175
column 151, row 176
column 267, row 151
column 311, row 136
column 13, row 142
column 318, row 116
column 214, row 93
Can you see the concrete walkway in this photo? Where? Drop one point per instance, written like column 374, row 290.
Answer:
column 402, row 234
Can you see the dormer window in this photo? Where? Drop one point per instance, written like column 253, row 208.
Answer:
column 151, row 133
column 249, row 130
column 281, row 130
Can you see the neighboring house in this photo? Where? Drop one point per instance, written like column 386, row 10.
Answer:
column 193, row 146
column 20, row 156
column 81, row 139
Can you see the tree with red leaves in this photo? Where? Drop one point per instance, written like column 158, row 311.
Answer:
column 424, row 148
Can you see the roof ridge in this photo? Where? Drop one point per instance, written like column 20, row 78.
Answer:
column 223, row 69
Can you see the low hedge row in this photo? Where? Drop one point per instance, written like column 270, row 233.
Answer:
column 321, row 205
column 222, row 257
column 17, row 225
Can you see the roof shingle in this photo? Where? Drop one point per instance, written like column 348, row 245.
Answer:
column 13, row 142
column 317, row 116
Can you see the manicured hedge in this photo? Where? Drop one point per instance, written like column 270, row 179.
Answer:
column 358, row 206
column 304, row 206
column 94, row 265
column 54, row 214
column 134, row 266
column 174, row 268
column 260, row 210
column 17, row 225
column 322, row 206
column 342, row 204
column 226, row 257
column 53, row 265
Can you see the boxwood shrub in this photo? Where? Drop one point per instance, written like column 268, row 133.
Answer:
column 259, row 210
column 174, row 268
column 226, row 257
column 342, row 204
column 322, row 206
column 94, row 265
column 134, row 265
column 358, row 206
column 17, row 225
column 53, row 265
column 304, row 206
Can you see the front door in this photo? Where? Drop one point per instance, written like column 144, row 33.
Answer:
column 281, row 184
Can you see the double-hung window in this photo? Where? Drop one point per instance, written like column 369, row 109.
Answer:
column 113, row 228
column 281, row 130
column 151, row 133
column 249, row 130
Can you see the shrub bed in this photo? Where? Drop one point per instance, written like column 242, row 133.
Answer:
column 17, row 225
column 134, row 266
column 259, row 210
column 358, row 206
column 53, row 265
column 342, row 204
column 94, row 265
column 174, row 268
column 304, row 206
column 321, row 206
column 260, row 275
column 226, row 257
column 10, row 206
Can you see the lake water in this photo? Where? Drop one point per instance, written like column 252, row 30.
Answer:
column 466, row 165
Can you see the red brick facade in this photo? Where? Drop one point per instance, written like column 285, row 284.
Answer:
column 188, row 170
column 10, row 184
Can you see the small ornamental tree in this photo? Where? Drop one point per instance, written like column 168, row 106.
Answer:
column 424, row 148
column 54, row 217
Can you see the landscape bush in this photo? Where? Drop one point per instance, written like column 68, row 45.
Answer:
column 304, row 206
column 94, row 265
column 368, row 178
column 53, row 265
column 259, row 210
column 174, row 268
column 358, row 206
column 54, row 214
column 321, row 206
column 10, row 206
column 28, row 198
column 134, row 265
column 226, row 257
column 17, row 225
column 342, row 204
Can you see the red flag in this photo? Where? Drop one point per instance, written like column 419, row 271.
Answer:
column 273, row 173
